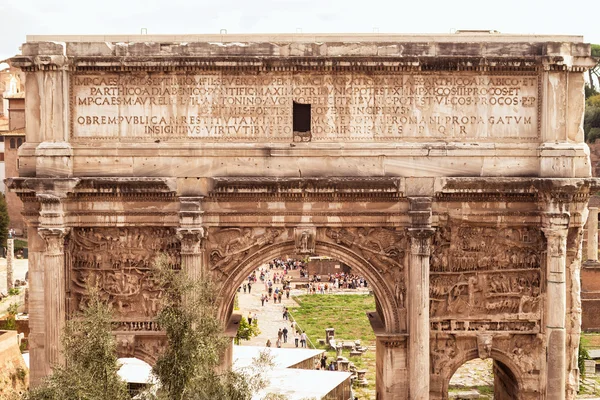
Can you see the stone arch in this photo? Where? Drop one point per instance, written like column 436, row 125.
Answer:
column 140, row 355
column 472, row 354
column 391, row 314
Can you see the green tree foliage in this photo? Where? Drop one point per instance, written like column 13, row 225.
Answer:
column 91, row 364
column 246, row 331
column 591, row 120
column 594, row 73
column 4, row 220
column 582, row 356
column 11, row 320
column 189, row 368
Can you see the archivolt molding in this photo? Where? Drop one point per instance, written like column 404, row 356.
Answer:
column 517, row 352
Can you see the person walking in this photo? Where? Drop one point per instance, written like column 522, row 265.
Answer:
column 278, row 343
column 285, row 312
column 285, row 332
column 323, row 361
column 303, row 339
column 280, row 334
column 250, row 317
column 244, row 288
column 287, row 293
column 262, row 299
column 249, row 287
column 279, row 296
column 296, row 338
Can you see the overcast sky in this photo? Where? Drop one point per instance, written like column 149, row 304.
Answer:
column 84, row 17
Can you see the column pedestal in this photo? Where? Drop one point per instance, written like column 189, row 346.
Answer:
column 391, row 371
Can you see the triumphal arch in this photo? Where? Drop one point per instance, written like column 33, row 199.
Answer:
column 450, row 170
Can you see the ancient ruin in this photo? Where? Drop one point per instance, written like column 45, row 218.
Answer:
column 449, row 170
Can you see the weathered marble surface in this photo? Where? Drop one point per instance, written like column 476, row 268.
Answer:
column 449, row 170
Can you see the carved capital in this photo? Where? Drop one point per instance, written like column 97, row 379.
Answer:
column 392, row 341
column 420, row 241
column 191, row 239
column 557, row 241
column 55, row 239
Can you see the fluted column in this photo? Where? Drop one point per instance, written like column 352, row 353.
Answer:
column 418, row 297
column 592, row 235
column 556, row 235
column 418, row 312
column 55, row 291
column 192, row 251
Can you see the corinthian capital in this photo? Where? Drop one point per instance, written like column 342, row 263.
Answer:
column 55, row 239
column 191, row 239
column 420, row 241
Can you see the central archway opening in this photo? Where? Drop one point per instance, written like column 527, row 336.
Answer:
column 312, row 314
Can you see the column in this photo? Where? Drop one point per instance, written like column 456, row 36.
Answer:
column 418, row 297
column 10, row 259
column 592, row 235
column 192, row 251
column 418, row 312
column 556, row 305
column 55, row 290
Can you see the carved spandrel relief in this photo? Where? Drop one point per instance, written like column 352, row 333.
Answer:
column 443, row 353
column 229, row 246
column 118, row 261
column 522, row 350
column 384, row 248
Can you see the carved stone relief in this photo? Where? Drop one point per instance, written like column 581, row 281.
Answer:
column 443, row 353
column 484, row 345
column 118, row 261
column 466, row 249
column 384, row 248
column 486, row 273
column 305, row 239
column 229, row 246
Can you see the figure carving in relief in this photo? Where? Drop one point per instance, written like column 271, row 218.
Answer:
column 399, row 287
column 125, row 345
column 304, row 242
column 485, row 293
column 237, row 244
column 118, row 261
column 486, row 248
column 522, row 348
column 484, row 345
column 442, row 354
column 383, row 248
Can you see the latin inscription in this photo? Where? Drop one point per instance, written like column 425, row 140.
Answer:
column 344, row 107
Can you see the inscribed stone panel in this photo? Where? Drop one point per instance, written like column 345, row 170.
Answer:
column 345, row 107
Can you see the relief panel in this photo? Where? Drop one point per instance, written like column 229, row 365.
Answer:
column 118, row 261
column 486, row 278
